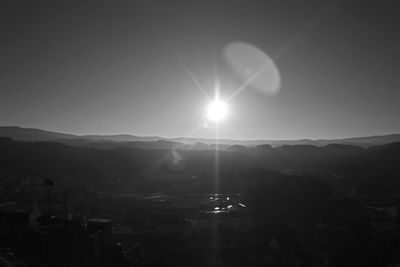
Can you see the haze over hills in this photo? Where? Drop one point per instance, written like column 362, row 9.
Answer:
column 156, row 142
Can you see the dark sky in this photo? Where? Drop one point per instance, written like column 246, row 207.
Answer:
column 110, row 67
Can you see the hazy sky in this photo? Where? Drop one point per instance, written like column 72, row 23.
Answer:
column 111, row 67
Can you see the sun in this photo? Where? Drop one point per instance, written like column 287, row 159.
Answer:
column 217, row 110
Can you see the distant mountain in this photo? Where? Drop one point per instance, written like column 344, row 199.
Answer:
column 156, row 142
column 122, row 138
column 159, row 144
column 365, row 141
column 30, row 134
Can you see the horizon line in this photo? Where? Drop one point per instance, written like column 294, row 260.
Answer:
column 197, row 138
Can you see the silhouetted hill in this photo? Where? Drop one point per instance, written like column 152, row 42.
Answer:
column 152, row 142
column 121, row 138
column 365, row 141
column 159, row 144
column 30, row 134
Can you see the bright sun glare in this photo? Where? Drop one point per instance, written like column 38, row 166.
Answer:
column 217, row 110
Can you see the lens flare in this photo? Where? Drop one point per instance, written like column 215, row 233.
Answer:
column 254, row 67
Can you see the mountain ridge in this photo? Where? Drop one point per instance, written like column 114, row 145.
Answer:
column 34, row 134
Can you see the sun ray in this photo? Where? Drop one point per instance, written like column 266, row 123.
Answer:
column 194, row 79
column 248, row 81
column 187, row 69
column 304, row 30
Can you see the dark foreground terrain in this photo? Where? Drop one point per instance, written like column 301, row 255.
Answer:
column 301, row 205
